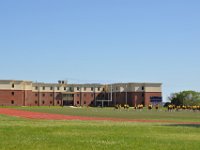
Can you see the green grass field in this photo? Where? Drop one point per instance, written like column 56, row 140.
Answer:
column 162, row 114
column 28, row 134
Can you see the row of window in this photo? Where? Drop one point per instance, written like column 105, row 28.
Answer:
column 79, row 102
column 92, row 89
column 86, row 95
column 36, row 102
column 43, row 102
column 51, row 95
column 70, row 88
column 51, row 88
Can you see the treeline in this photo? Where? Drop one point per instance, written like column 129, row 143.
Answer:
column 185, row 98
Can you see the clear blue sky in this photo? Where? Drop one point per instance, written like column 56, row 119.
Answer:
column 102, row 41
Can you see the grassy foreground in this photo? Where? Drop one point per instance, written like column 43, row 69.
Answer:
column 162, row 114
column 23, row 134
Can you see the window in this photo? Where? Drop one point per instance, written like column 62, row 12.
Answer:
column 50, row 102
column 70, row 88
column 92, row 89
column 77, row 102
column 36, row 102
column 85, row 88
column 64, row 88
column 43, row 102
column 58, row 102
column 103, row 89
column 13, row 93
column 43, row 95
column 13, row 85
column 43, row 87
column 36, row 94
column 58, row 88
column 12, row 102
column 142, row 87
column 51, row 88
column 78, row 88
column 51, row 95
column 36, row 88
column 99, row 88
column 84, row 102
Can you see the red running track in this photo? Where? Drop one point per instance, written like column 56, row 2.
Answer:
column 47, row 116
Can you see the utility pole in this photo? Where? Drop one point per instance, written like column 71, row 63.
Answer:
column 111, row 93
column 126, row 92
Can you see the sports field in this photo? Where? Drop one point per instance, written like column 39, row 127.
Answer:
column 181, row 132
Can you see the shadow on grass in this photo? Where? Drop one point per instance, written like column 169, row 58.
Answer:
column 183, row 125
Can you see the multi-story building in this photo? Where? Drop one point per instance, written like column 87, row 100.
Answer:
column 28, row 93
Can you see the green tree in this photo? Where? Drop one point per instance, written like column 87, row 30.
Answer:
column 185, row 98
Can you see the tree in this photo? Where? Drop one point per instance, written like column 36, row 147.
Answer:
column 185, row 98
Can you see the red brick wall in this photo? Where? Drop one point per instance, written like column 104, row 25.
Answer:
column 147, row 96
column 87, row 98
column 6, row 97
column 30, row 98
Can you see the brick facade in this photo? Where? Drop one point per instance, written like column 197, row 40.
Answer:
column 42, row 94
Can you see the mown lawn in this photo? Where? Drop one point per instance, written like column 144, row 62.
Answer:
column 145, row 114
column 28, row 134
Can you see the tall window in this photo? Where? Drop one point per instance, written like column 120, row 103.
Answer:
column 51, row 88
column 13, row 93
column 142, row 87
column 92, row 89
column 84, row 88
column 36, row 88
column 13, row 85
column 43, row 87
